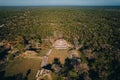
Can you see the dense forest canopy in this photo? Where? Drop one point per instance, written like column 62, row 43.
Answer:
column 96, row 29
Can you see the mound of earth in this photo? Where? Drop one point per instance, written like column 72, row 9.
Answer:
column 30, row 54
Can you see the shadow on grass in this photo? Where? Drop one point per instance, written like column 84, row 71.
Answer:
column 3, row 52
column 18, row 76
column 57, row 61
column 27, row 73
column 48, row 67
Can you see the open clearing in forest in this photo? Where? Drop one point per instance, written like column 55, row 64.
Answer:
column 23, row 66
column 60, row 54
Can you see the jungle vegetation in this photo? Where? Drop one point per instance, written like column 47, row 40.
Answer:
column 97, row 30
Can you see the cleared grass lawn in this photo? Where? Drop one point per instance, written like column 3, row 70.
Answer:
column 23, row 66
column 60, row 54
column 43, row 52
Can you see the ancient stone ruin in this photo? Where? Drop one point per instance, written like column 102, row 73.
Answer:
column 60, row 44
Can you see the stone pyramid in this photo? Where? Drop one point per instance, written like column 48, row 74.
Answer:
column 60, row 44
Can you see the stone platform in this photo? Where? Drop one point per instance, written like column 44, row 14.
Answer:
column 61, row 44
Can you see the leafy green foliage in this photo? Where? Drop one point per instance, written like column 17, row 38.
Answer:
column 96, row 29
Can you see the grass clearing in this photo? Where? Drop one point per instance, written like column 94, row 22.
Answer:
column 43, row 52
column 22, row 66
column 60, row 54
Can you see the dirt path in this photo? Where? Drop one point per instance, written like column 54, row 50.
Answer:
column 44, row 63
column 49, row 52
column 45, row 58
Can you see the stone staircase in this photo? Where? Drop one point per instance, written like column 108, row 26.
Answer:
column 61, row 44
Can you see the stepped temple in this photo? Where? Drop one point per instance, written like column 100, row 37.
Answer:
column 60, row 44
